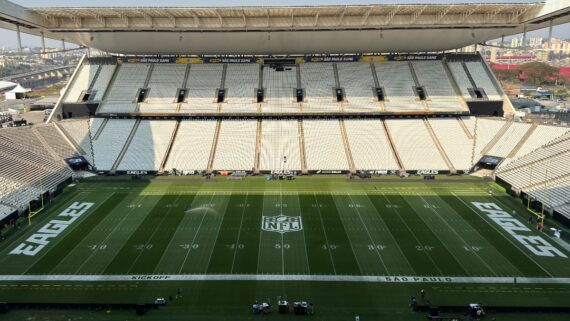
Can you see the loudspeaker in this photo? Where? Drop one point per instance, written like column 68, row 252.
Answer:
column 3, row 307
column 141, row 309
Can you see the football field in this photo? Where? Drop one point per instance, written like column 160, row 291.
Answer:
column 316, row 237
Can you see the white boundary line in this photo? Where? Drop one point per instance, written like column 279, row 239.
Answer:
column 281, row 277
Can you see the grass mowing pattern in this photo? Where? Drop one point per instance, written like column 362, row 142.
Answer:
column 409, row 228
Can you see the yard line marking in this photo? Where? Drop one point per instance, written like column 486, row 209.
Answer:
column 304, row 238
column 195, row 235
column 325, row 232
column 504, row 235
column 219, row 227
column 153, row 233
column 368, row 232
column 260, row 234
column 280, row 277
column 415, row 237
column 239, row 233
column 282, row 247
column 110, row 233
column 459, row 236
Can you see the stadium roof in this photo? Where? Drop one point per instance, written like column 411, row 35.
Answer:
column 282, row 30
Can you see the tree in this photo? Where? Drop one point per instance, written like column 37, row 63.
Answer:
column 539, row 72
column 506, row 74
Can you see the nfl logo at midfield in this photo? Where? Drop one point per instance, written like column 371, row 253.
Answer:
column 281, row 223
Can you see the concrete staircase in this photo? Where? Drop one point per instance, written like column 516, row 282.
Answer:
column 523, row 140
column 393, row 146
column 214, row 146
column 439, row 147
column 302, row 149
column 497, row 137
column 170, row 143
column 256, row 167
column 126, row 146
column 347, row 146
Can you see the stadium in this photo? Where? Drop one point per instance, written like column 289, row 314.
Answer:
column 345, row 159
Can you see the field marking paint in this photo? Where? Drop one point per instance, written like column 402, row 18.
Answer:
column 395, row 208
column 260, row 235
column 460, row 237
column 141, row 251
column 368, row 232
column 109, row 235
column 325, row 232
column 205, row 210
column 280, row 277
column 298, row 203
column 501, row 233
column 239, row 233
column 559, row 241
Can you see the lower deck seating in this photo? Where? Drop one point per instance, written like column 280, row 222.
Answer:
column 192, row 145
column 280, row 145
column 110, row 142
column 414, row 145
column 235, row 149
column 323, row 145
column 369, row 145
column 149, row 145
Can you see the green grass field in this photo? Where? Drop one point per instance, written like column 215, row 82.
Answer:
column 349, row 247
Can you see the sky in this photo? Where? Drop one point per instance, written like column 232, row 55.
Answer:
column 9, row 39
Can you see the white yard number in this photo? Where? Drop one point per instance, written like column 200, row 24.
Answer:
column 318, row 205
column 374, row 247
column 95, row 247
column 426, row 248
column 244, row 205
column 285, row 246
column 140, row 247
column 355, row 205
column 239, row 246
column 189, row 246
column 471, row 248
column 430, row 206
column 329, row 247
column 392, row 206
column 280, row 205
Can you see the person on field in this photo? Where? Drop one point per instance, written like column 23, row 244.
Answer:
column 423, row 293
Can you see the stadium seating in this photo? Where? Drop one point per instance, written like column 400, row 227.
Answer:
column 441, row 95
column 509, row 139
column 542, row 135
column 202, row 83
column 318, row 80
column 163, row 85
column 359, row 88
column 455, row 141
column 280, row 145
column 122, row 94
column 85, row 76
column 323, row 145
column 369, row 145
column 102, row 81
column 241, row 82
column 235, row 148
column 192, row 145
column 485, row 131
column 398, row 83
column 481, row 78
column 148, row 147
column 414, row 145
column 56, row 141
column 461, row 78
column 110, row 142
column 28, row 167
column 280, row 89
column 79, row 132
